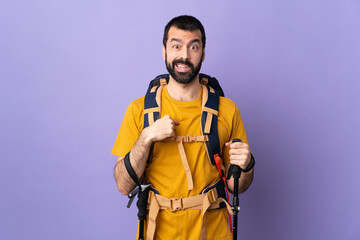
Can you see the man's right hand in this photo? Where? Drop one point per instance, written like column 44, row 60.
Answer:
column 162, row 129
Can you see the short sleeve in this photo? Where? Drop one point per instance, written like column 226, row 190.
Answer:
column 130, row 128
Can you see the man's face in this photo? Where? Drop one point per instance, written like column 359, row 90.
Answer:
column 183, row 54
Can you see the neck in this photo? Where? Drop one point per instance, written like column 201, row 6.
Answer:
column 184, row 92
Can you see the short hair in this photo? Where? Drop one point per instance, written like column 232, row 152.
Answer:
column 185, row 22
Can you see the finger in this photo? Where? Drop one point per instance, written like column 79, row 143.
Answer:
column 239, row 151
column 238, row 158
column 242, row 161
column 176, row 122
column 236, row 145
column 241, row 164
column 239, row 145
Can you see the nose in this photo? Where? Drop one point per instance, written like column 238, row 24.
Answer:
column 184, row 54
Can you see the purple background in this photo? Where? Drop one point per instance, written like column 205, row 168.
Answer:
column 68, row 70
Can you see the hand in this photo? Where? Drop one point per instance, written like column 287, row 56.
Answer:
column 162, row 129
column 239, row 154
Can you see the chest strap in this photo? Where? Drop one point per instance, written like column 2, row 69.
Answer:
column 188, row 139
column 203, row 202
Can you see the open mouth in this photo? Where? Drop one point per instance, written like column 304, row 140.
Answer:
column 182, row 67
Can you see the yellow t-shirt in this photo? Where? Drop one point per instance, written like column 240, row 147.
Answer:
column 166, row 172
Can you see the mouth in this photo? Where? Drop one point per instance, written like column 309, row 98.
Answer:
column 180, row 67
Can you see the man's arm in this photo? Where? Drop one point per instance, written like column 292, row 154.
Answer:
column 162, row 129
column 240, row 155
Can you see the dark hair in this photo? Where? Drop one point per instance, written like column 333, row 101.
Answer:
column 185, row 22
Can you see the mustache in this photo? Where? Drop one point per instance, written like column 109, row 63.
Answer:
column 181, row 61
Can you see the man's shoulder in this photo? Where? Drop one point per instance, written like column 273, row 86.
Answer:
column 138, row 103
column 226, row 103
column 135, row 108
column 227, row 108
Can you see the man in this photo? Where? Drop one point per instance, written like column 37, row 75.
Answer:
column 183, row 52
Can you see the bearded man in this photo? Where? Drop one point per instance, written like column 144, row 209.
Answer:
column 172, row 188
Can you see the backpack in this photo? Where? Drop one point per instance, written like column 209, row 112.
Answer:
column 209, row 117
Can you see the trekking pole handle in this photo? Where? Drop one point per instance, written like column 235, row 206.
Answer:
column 234, row 170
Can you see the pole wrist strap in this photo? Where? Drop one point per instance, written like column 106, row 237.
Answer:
column 130, row 169
column 252, row 164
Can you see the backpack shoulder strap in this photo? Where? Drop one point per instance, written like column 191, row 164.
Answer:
column 209, row 115
column 152, row 104
column 209, row 119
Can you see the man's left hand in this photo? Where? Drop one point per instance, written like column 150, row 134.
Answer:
column 239, row 154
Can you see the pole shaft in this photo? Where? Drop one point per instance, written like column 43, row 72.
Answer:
column 235, row 206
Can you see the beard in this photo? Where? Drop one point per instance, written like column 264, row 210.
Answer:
column 181, row 77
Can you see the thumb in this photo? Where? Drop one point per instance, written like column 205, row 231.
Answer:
column 176, row 122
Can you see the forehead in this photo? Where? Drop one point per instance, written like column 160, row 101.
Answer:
column 183, row 35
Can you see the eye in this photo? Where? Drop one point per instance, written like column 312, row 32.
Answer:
column 194, row 47
column 176, row 47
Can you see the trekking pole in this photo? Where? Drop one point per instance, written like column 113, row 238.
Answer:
column 143, row 192
column 235, row 171
column 142, row 204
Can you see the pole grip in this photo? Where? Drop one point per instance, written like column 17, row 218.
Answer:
column 234, row 170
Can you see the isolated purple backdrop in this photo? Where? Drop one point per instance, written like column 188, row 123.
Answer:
column 68, row 70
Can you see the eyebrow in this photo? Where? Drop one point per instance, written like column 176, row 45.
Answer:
column 175, row 39
column 195, row 40
column 178, row 40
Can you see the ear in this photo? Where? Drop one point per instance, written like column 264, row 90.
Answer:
column 203, row 55
column 163, row 52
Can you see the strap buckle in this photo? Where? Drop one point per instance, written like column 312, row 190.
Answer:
column 212, row 195
column 163, row 81
column 204, row 81
column 189, row 139
column 176, row 204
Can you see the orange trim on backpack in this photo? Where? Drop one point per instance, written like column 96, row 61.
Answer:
column 218, row 166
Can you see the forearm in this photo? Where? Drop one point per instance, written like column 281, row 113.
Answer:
column 138, row 157
column 244, row 181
